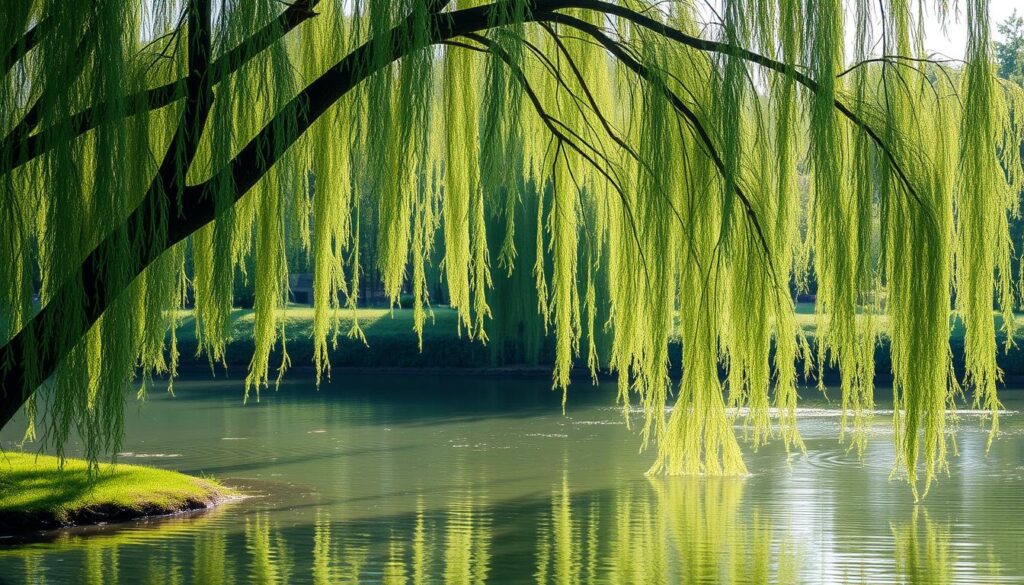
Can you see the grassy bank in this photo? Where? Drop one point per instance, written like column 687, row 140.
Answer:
column 390, row 340
column 392, row 343
column 36, row 495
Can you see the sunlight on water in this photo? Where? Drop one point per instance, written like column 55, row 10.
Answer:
column 693, row 531
column 426, row 480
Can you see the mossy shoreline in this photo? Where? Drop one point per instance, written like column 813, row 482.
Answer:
column 37, row 495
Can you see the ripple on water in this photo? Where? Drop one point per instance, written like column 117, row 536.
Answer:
column 832, row 459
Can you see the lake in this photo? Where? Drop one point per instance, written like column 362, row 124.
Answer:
column 433, row 479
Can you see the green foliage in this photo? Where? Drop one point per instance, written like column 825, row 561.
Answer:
column 1010, row 52
column 648, row 171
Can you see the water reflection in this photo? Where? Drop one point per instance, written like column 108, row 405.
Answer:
column 210, row 559
column 922, row 550
column 496, row 485
column 661, row 531
column 673, row 530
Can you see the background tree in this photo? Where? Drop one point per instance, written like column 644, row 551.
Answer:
column 1010, row 51
column 1010, row 58
column 662, row 156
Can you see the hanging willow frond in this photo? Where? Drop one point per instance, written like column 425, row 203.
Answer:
column 611, row 174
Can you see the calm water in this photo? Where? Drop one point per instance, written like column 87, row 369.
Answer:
column 421, row 479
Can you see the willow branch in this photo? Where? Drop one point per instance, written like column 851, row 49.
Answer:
column 594, row 107
column 645, row 73
column 18, row 150
column 607, row 125
column 30, row 120
column 896, row 59
column 255, row 159
column 18, row 382
column 26, row 43
column 552, row 123
column 756, row 58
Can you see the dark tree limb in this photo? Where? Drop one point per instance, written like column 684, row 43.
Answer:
column 30, row 120
column 18, row 149
column 98, row 284
column 17, row 382
column 26, row 43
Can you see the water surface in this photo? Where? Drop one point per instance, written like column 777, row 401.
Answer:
column 430, row 479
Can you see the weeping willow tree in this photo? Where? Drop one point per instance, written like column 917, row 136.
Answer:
column 674, row 178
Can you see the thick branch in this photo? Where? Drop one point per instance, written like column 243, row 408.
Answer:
column 20, row 153
column 26, row 43
column 252, row 162
column 57, row 84
column 18, row 149
column 104, row 285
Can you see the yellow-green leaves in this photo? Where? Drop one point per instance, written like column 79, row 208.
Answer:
column 639, row 177
column 983, row 251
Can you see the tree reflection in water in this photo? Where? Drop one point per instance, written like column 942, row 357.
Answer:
column 662, row 530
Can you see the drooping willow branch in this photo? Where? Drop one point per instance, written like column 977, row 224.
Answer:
column 558, row 128
column 30, row 120
column 25, row 44
column 695, row 123
column 19, row 147
column 758, row 59
column 249, row 165
column 255, row 159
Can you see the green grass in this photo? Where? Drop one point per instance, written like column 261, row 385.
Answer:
column 392, row 342
column 299, row 323
column 35, row 493
column 385, row 323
